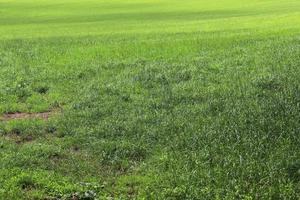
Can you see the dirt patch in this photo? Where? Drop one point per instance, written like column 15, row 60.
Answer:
column 26, row 139
column 11, row 116
column 19, row 139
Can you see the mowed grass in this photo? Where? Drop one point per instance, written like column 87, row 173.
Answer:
column 153, row 99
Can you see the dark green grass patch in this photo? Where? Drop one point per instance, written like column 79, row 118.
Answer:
column 214, row 123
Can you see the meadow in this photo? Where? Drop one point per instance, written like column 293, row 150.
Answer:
column 150, row 99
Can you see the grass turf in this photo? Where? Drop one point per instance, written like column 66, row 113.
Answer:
column 156, row 99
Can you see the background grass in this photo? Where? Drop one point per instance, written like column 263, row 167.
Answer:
column 157, row 99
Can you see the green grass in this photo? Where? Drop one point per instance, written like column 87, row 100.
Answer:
column 157, row 99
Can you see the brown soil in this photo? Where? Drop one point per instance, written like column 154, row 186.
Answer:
column 11, row 116
column 19, row 139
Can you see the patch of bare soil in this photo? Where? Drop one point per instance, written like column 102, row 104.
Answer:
column 19, row 139
column 11, row 116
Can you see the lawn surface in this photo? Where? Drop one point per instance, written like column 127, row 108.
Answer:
column 150, row 99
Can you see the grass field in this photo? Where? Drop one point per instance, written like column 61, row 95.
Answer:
column 150, row 99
